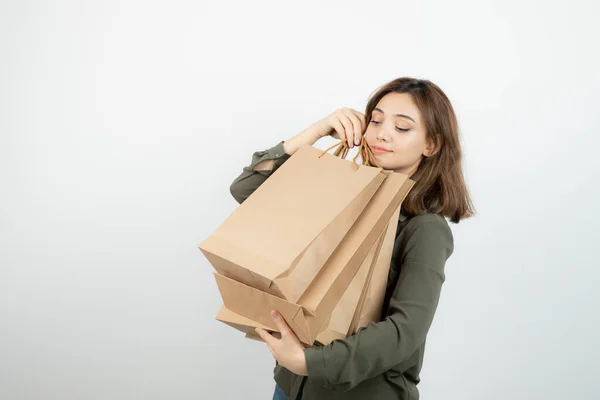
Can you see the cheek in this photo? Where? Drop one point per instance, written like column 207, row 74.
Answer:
column 409, row 144
column 406, row 155
column 370, row 136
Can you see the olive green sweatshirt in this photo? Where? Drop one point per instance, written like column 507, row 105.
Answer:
column 381, row 361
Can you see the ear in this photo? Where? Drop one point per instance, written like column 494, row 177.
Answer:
column 431, row 148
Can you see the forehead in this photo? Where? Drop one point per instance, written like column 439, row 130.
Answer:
column 399, row 103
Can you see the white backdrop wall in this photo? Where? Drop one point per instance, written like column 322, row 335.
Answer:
column 123, row 123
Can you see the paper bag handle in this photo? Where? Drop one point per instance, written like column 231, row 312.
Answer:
column 365, row 151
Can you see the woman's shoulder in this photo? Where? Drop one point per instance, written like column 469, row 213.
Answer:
column 428, row 232
column 428, row 221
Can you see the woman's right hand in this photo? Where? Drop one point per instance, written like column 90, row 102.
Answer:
column 344, row 124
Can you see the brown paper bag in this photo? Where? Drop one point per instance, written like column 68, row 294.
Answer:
column 335, row 276
column 307, row 317
column 238, row 321
column 310, row 204
column 372, row 306
column 254, row 310
column 338, row 325
column 361, row 301
column 243, row 324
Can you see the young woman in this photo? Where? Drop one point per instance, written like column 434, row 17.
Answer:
column 412, row 129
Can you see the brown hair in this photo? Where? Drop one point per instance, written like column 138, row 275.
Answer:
column 439, row 183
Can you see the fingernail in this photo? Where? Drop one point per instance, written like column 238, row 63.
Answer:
column 274, row 314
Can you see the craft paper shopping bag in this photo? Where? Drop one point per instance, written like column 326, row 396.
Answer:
column 278, row 239
column 330, row 284
column 256, row 305
column 371, row 308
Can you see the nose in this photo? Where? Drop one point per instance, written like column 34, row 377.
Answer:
column 381, row 136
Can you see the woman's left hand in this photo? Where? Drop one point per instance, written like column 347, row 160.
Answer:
column 288, row 351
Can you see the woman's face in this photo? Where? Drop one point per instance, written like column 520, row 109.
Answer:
column 398, row 141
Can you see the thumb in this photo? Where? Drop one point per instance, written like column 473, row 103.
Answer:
column 281, row 324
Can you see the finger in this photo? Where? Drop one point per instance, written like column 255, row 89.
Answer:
column 268, row 345
column 282, row 326
column 356, row 126
column 266, row 336
column 339, row 128
column 345, row 121
column 271, row 350
column 363, row 120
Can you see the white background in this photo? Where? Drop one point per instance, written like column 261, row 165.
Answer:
column 123, row 123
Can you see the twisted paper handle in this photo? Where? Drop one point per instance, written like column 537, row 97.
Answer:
column 365, row 152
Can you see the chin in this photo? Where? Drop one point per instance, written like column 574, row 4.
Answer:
column 381, row 160
column 387, row 164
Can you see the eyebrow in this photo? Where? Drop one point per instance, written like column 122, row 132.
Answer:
column 395, row 115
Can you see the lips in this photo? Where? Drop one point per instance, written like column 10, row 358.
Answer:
column 380, row 150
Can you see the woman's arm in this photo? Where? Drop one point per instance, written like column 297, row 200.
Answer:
column 344, row 124
column 380, row 346
column 256, row 173
column 265, row 162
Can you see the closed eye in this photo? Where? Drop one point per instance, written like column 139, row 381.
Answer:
column 400, row 129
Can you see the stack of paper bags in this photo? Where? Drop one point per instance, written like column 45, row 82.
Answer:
column 362, row 301
column 307, row 239
column 360, row 304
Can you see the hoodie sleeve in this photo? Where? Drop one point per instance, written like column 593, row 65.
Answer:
column 250, row 179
